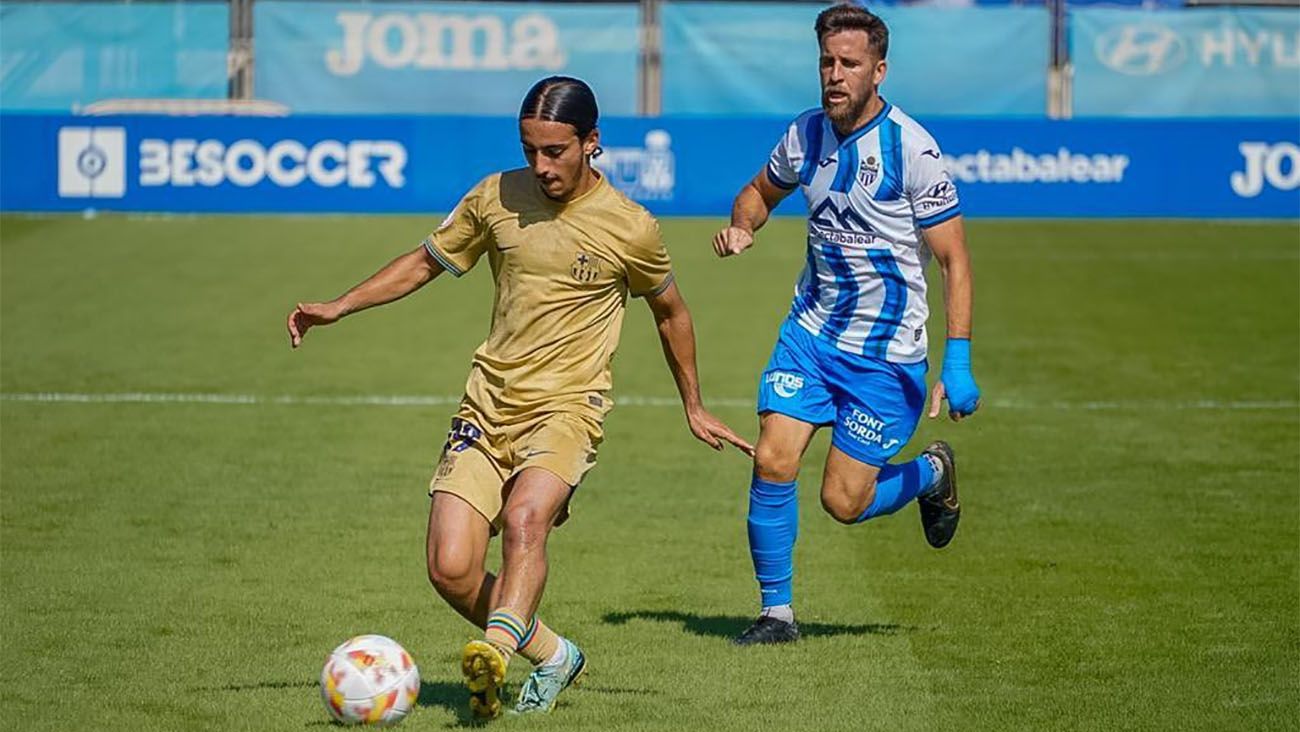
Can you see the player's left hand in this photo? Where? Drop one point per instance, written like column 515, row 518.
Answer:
column 956, row 383
column 713, row 432
column 959, row 408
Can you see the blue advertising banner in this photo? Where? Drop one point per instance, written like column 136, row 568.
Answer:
column 1198, row 62
column 439, row 57
column 675, row 166
column 59, row 56
column 761, row 58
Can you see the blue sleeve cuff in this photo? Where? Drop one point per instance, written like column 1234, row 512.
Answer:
column 776, row 180
column 926, row 222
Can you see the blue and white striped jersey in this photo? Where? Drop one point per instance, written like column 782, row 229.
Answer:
column 869, row 196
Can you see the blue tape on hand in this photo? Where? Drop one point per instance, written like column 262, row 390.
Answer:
column 963, row 394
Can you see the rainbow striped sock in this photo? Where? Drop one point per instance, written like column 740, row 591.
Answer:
column 507, row 631
column 540, row 642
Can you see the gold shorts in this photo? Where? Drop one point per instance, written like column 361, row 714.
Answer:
column 480, row 458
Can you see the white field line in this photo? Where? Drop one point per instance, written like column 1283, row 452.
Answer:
column 625, row 400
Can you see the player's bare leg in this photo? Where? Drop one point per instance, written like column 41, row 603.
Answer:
column 774, row 524
column 456, row 548
column 848, row 486
column 456, row 551
column 782, row 441
column 854, row 491
column 534, row 501
column 531, row 510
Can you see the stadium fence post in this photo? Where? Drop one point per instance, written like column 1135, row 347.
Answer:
column 239, row 57
column 650, row 69
column 1060, row 75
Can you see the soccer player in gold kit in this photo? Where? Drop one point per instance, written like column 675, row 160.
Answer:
column 566, row 249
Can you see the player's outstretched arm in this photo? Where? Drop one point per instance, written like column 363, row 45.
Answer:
column 956, row 384
column 751, row 209
column 396, row 280
column 677, row 334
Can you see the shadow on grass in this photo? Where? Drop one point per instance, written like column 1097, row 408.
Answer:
column 454, row 698
column 730, row 626
column 450, row 696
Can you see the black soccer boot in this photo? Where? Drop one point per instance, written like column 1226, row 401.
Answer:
column 767, row 630
column 940, row 510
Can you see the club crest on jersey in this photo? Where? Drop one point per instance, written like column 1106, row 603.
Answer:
column 586, row 268
column 868, row 170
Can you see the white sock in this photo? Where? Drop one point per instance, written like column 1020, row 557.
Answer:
column 937, row 464
column 560, row 656
column 783, row 613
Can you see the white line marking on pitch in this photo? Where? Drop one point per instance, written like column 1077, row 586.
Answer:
column 627, row 400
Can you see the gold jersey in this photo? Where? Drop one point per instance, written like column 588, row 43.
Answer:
column 563, row 272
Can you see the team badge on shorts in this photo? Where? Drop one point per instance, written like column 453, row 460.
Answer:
column 445, row 465
column 460, row 438
column 586, row 268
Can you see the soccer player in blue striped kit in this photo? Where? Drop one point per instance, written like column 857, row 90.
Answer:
column 852, row 353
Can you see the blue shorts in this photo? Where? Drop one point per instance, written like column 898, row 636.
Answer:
column 874, row 405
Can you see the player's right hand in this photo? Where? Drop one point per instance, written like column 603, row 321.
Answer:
column 732, row 240
column 714, row 432
column 308, row 314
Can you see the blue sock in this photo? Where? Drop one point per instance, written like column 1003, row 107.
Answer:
column 898, row 485
column 773, row 527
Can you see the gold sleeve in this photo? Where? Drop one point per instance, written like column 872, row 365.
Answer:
column 649, row 268
column 464, row 235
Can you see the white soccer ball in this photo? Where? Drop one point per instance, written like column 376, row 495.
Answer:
column 369, row 680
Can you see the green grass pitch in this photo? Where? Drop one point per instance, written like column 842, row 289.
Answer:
column 1128, row 557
